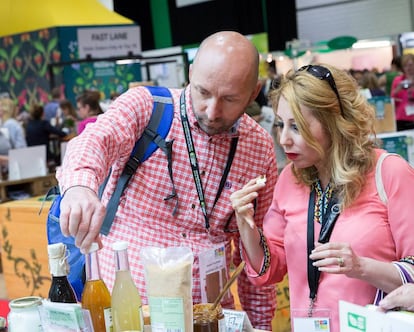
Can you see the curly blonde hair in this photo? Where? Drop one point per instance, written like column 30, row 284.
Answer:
column 9, row 108
column 351, row 128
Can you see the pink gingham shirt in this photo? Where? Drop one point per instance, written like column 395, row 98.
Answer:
column 144, row 218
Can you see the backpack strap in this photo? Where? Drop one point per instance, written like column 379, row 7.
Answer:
column 378, row 176
column 152, row 138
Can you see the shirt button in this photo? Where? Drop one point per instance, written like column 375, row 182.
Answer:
column 203, row 173
column 184, row 235
column 193, row 206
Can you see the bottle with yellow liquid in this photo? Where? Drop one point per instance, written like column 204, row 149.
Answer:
column 126, row 300
column 96, row 296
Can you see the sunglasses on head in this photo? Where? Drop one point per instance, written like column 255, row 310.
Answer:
column 323, row 74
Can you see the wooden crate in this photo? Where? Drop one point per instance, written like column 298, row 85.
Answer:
column 385, row 114
column 24, row 247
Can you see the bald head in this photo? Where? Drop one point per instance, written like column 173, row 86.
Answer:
column 223, row 80
column 234, row 49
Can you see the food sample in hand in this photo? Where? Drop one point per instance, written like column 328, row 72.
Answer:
column 261, row 179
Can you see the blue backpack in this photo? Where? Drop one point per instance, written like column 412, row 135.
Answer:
column 152, row 138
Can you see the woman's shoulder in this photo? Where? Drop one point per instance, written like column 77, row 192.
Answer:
column 393, row 165
column 11, row 122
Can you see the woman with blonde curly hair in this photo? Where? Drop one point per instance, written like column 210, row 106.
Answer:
column 15, row 130
column 327, row 226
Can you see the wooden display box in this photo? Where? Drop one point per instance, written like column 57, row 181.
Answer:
column 24, row 247
column 385, row 114
column 32, row 186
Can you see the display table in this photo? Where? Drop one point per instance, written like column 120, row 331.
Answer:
column 32, row 186
column 24, row 247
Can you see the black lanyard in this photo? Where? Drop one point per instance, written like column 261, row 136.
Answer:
column 194, row 163
column 328, row 219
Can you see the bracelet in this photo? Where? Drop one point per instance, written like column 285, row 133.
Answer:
column 78, row 185
column 407, row 259
column 266, row 251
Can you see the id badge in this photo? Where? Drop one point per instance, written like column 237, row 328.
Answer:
column 409, row 109
column 213, row 272
column 319, row 322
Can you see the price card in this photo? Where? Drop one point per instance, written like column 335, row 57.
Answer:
column 64, row 317
column 237, row 321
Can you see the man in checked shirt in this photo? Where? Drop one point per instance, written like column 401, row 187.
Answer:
column 223, row 81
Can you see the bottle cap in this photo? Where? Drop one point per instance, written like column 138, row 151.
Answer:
column 120, row 245
column 58, row 263
column 56, row 250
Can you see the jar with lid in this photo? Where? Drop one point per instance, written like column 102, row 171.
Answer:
column 207, row 320
column 3, row 327
column 24, row 314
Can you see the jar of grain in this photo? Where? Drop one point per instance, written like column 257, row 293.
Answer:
column 207, row 320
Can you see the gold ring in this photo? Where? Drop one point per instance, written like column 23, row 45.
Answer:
column 341, row 262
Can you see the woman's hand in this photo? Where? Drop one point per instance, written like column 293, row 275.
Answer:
column 243, row 205
column 400, row 298
column 337, row 258
column 243, row 202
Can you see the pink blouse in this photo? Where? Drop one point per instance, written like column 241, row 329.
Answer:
column 402, row 99
column 375, row 230
column 82, row 124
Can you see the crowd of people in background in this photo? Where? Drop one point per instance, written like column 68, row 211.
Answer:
column 48, row 124
column 71, row 118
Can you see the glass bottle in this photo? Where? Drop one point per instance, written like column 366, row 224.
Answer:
column 126, row 300
column 60, row 288
column 95, row 296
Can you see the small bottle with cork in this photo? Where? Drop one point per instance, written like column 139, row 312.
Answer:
column 60, row 289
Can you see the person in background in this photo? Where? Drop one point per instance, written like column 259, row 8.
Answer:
column 265, row 117
column 401, row 298
column 114, row 95
column 385, row 80
column 39, row 131
column 157, row 210
column 88, row 104
column 51, row 108
column 327, row 219
column 270, row 81
column 69, row 116
column 370, row 86
column 402, row 90
column 254, row 111
column 11, row 127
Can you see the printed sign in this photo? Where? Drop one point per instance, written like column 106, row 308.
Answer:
column 107, row 42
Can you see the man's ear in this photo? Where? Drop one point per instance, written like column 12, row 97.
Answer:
column 256, row 91
column 190, row 70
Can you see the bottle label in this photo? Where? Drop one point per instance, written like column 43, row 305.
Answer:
column 108, row 320
column 167, row 314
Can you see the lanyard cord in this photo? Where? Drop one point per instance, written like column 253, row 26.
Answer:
column 194, row 163
column 328, row 219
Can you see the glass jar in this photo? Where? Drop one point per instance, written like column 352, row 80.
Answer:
column 24, row 314
column 3, row 324
column 206, row 320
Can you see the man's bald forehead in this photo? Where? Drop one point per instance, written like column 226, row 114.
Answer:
column 233, row 41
